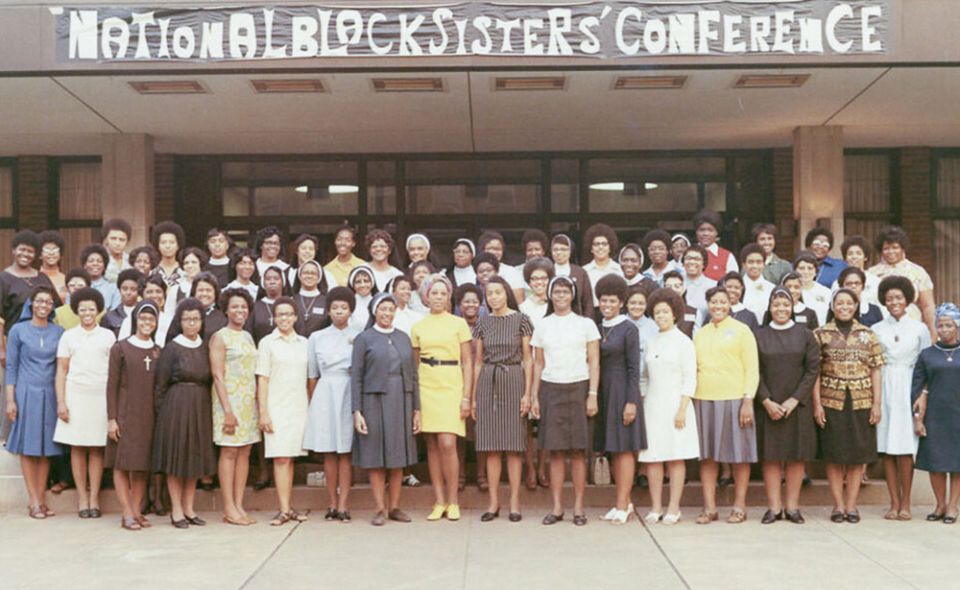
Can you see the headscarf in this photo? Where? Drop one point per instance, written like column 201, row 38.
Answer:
column 564, row 239
column 561, row 279
column 466, row 242
column 949, row 310
column 635, row 248
column 428, row 284
column 148, row 306
column 683, row 237
column 375, row 303
column 319, row 270
column 779, row 291
column 425, row 239
column 363, row 268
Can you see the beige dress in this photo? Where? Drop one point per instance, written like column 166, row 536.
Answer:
column 283, row 359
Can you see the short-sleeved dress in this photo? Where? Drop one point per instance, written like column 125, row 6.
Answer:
column 283, row 359
column 32, row 369
column 501, row 384
column 329, row 419
column 938, row 370
column 240, row 380
column 439, row 336
column 183, row 431
column 130, row 384
column 86, row 387
column 619, row 386
column 669, row 374
column 902, row 342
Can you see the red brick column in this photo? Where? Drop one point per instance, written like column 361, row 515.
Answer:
column 916, row 203
column 783, row 215
column 33, row 200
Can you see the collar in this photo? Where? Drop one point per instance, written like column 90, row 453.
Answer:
column 738, row 307
column 219, row 261
column 785, row 326
column 799, row 307
column 187, row 343
column 562, row 269
column 306, row 293
column 722, row 323
column 614, row 322
column 384, row 330
column 292, row 337
column 759, row 283
column 713, row 248
column 144, row 344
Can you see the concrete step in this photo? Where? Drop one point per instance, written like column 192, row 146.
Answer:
column 421, row 497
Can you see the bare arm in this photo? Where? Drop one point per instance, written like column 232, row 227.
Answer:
column 218, row 367
column 466, row 365
column 593, row 363
column 63, row 367
column 928, row 310
column 263, row 386
column 527, row 375
column 537, row 373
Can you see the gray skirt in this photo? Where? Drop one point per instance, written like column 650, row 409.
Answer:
column 389, row 442
column 721, row 438
column 563, row 416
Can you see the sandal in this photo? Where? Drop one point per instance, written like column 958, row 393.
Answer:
column 707, row 517
column 543, row 481
column 737, row 516
column 294, row 515
column 280, row 519
column 36, row 512
column 949, row 518
column 238, row 522
column 580, row 519
column 483, row 484
column 46, row 511
column 142, row 520
column 837, row 516
column 891, row 515
column 531, row 482
column 60, row 487
column 130, row 523
column 331, row 514
column 904, row 516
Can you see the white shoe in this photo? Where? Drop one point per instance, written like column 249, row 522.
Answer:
column 671, row 519
column 632, row 510
column 610, row 514
column 652, row 517
column 411, row 481
column 621, row 517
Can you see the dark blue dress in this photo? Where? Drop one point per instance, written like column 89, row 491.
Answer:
column 32, row 369
column 619, row 385
column 939, row 451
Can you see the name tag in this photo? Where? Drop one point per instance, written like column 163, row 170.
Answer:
column 689, row 317
column 318, row 310
column 801, row 319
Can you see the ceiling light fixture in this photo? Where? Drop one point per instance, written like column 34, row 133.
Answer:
column 649, row 82
column 531, row 83
column 272, row 86
column 408, row 84
column 754, row 81
column 168, row 87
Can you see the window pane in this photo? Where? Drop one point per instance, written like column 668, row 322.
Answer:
column 236, row 201
column 715, row 196
column 6, row 192
column 866, row 183
column 279, row 172
column 632, row 197
column 636, row 185
column 381, row 188
column 565, row 186
column 80, row 190
column 464, row 186
column 946, row 244
column 76, row 239
column 6, row 253
column 948, row 183
column 305, row 200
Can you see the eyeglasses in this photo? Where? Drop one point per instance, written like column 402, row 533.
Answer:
column 820, row 243
column 190, row 320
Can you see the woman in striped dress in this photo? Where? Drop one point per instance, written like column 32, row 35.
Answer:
column 503, row 373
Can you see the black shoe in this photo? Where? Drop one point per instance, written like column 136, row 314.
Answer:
column 515, row 517
column 488, row 516
column 95, row 513
column 331, row 514
column 180, row 524
column 195, row 520
column 579, row 519
column 853, row 517
column 770, row 517
column 344, row 516
column 807, row 481
column 949, row 518
column 206, row 486
column 725, row 482
column 641, row 481
column 935, row 516
column 794, row 516
column 836, row 516
column 261, row 485
column 552, row 518
column 85, row 513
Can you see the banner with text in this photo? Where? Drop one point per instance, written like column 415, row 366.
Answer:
column 588, row 29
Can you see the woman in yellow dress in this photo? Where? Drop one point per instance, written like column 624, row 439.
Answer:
column 442, row 347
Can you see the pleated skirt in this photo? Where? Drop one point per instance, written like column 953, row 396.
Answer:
column 389, row 442
column 721, row 438
column 183, row 433
column 563, row 416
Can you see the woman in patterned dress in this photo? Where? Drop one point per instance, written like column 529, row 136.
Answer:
column 233, row 359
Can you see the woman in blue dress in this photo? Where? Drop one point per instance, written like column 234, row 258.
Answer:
column 31, row 397
column 936, row 396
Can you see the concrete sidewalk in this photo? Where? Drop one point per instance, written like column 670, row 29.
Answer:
column 874, row 554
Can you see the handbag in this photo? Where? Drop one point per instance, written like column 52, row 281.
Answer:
column 601, row 471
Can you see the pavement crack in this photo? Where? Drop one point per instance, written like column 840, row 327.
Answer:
column 267, row 559
column 866, row 556
column 663, row 552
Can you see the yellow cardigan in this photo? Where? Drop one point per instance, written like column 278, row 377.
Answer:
column 727, row 361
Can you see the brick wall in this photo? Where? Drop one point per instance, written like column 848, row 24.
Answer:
column 783, row 201
column 163, row 174
column 916, row 203
column 34, row 194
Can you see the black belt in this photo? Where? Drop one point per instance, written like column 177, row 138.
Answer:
column 438, row 363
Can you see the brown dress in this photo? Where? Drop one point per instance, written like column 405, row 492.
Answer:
column 130, row 384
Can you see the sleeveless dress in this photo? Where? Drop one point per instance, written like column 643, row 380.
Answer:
column 240, row 381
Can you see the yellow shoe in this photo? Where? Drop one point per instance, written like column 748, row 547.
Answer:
column 438, row 512
column 453, row 512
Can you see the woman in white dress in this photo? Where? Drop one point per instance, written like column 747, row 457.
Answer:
column 668, row 382
column 902, row 339
column 815, row 296
column 282, row 402
column 330, row 420
column 83, row 357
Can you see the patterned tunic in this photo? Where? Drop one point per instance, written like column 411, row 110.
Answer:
column 846, row 363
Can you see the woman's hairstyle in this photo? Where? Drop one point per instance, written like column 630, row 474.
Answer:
column 426, row 263
column 78, row 272
column 595, row 231
column 751, row 248
column 216, row 231
column 673, row 274
column 490, row 235
column 893, row 282
column 535, row 235
column 115, row 224
column 362, row 269
column 511, row 299
column 858, row 241
column 563, row 283
column 466, row 242
column 708, row 216
column 778, row 292
column 655, row 235
column 151, row 253
column 700, row 249
column 538, row 263
column 671, row 298
column 52, row 236
column 806, row 256
column 431, row 280
column 763, row 228
column 167, row 227
column 346, row 227
column 790, row 276
column 176, row 325
column 731, row 276
column 51, row 291
column 950, row 310
column 681, row 237
column 892, row 235
column 488, row 258
column 391, row 286
column 210, row 279
column 273, row 268
column 193, row 250
column 86, row 294
column 92, row 249
column 611, row 284
column 129, row 274
column 301, row 239
column 464, row 290
column 264, row 234
column 562, row 239
column 378, row 234
column 851, row 270
column 228, row 294
column 238, row 255
column 322, row 285
column 285, row 301
column 635, row 248
column 341, row 294
column 814, row 233
column 712, row 291
column 833, row 301
column 156, row 280
column 145, row 306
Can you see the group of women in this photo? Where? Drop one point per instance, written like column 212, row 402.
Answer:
column 207, row 353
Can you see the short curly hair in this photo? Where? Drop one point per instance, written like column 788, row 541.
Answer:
column 86, row 294
column 539, row 263
column 764, row 228
column 115, row 224
column 129, row 274
column 490, row 235
column 751, row 248
column 817, row 231
column 892, row 235
column 535, row 235
column 228, row 294
column 671, row 298
column 708, row 216
column 896, row 282
column 806, row 256
column 200, row 254
column 611, row 284
column 712, row 291
column 264, row 234
column 595, row 231
column 91, row 250
column 487, row 257
column 378, row 234
column 26, row 237
column 78, row 273
column 655, row 235
column 52, row 236
column 151, row 253
column 851, row 270
column 858, row 241
column 168, row 227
